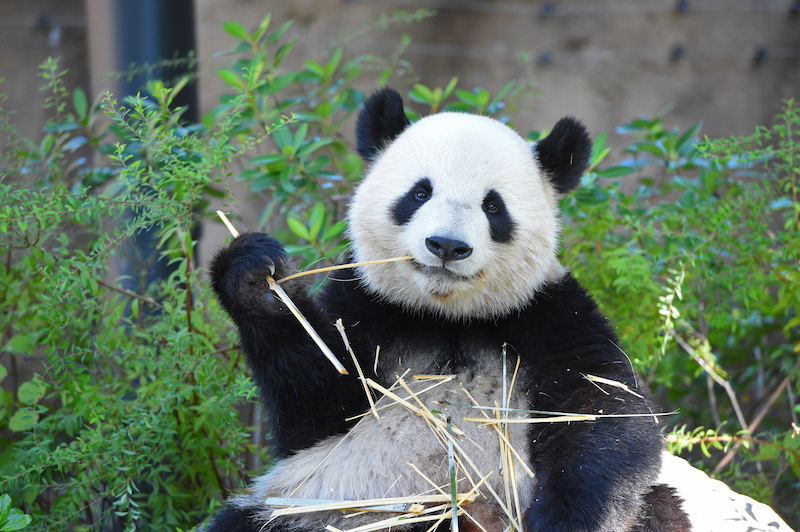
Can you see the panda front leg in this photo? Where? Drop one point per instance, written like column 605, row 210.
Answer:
column 592, row 475
column 305, row 396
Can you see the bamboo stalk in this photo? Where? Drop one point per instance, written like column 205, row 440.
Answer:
column 306, row 325
column 441, row 381
column 394, row 521
column 304, row 506
column 616, row 384
column 565, row 419
column 344, row 267
column 452, row 463
column 499, row 433
column 456, row 447
column 436, row 421
column 340, row 328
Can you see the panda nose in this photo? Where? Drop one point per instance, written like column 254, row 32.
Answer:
column 447, row 248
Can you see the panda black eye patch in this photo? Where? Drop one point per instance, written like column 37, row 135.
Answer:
column 407, row 204
column 501, row 226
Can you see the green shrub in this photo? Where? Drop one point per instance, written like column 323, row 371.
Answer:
column 133, row 414
column 696, row 261
column 135, row 417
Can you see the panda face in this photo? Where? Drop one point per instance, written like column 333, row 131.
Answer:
column 465, row 197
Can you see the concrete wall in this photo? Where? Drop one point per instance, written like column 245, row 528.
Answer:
column 30, row 32
column 605, row 61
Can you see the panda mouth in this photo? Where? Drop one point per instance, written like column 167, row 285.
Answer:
column 444, row 273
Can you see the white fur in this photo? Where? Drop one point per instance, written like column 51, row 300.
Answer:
column 372, row 459
column 464, row 156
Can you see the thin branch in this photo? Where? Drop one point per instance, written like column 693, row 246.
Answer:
column 712, row 400
column 762, row 412
column 189, row 271
column 134, row 295
column 714, row 375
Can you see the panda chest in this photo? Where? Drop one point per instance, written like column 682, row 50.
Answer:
column 439, row 401
column 424, row 411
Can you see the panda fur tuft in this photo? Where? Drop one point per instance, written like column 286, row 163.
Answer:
column 475, row 205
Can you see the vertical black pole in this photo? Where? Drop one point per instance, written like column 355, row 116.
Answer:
column 150, row 32
column 158, row 34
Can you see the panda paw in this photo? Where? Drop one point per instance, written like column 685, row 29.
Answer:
column 239, row 272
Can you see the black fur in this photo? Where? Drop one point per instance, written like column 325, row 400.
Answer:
column 564, row 154
column 405, row 206
column 501, row 225
column 662, row 512
column 233, row 519
column 381, row 121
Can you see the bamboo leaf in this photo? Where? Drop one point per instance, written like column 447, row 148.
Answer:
column 297, row 227
column 237, row 30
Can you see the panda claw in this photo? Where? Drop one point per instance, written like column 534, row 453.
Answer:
column 271, row 265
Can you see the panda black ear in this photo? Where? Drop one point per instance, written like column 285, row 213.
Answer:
column 380, row 121
column 564, row 154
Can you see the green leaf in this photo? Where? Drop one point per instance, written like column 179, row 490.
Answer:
column 451, row 86
column 691, row 132
column 278, row 83
column 274, row 36
column 599, row 150
column 23, row 419
column 316, row 220
column 316, row 68
column 333, row 64
column 5, row 507
column 467, row 97
column 591, row 196
column 16, row 521
column 237, row 30
column 11, row 518
column 80, row 102
column 653, row 148
column 335, row 230
column 22, row 343
column 282, row 137
column 421, row 94
column 262, row 27
column 297, row 227
column 300, row 136
column 314, row 146
column 504, row 91
column 231, row 78
column 31, row 391
column 483, row 98
column 267, row 159
column 615, row 171
column 282, row 52
column 188, row 243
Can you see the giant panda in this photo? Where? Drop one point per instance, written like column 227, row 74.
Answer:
column 475, row 206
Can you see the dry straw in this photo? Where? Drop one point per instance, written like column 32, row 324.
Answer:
column 413, row 509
